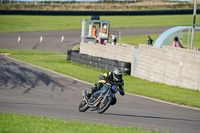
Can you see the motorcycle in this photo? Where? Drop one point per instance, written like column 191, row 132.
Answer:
column 99, row 100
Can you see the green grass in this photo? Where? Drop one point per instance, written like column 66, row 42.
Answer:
column 22, row 23
column 19, row 23
column 16, row 123
column 57, row 62
column 142, row 39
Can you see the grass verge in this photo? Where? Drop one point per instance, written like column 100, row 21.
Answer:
column 57, row 62
column 142, row 39
column 22, row 23
column 15, row 123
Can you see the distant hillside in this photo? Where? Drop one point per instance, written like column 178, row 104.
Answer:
column 97, row 6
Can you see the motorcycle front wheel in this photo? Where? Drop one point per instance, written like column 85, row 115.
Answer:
column 83, row 106
column 104, row 106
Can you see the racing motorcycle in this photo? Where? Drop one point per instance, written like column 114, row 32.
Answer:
column 99, row 100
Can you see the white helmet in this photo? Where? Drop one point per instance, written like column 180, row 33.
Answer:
column 117, row 74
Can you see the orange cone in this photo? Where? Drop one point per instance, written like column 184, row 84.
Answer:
column 62, row 38
column 41, row 39
column 19, row 39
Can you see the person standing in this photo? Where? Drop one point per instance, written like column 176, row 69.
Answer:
column 114, row 39
column 150, row 41
column 176, row 43
column 94, row 31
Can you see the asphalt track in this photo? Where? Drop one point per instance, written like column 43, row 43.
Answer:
column 52, row 39
column 31, row 90
column 28, row 89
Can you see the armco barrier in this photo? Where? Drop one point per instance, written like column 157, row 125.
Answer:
column 99, row 62
column 103, row 13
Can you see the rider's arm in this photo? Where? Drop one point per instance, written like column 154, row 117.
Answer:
column 105, row 77
column 121, row 88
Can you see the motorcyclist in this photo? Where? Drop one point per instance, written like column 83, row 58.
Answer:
column 115, row 76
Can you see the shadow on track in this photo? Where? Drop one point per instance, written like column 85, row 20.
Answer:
column 32, row 104
column 150, row 117
column 13, row 75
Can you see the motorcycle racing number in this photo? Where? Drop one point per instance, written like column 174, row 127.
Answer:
column 114, row 88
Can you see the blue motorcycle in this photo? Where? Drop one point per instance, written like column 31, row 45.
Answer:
column 99, row 100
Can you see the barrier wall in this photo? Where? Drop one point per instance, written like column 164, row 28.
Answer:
column 172, row 66
column 121, row 53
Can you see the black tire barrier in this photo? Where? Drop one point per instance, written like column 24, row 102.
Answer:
column 104, row 60
column 84, row 56
column 95, row 64
column 102, row 13
column 97, row 59
column 99, row 62
column 126, row 71
column 74, row 59
column 125, row 67
column 102, row 66
column 124, row 64
column 77, row 55
column 69, row 52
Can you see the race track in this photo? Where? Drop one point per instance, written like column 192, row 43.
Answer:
column 28, row 89
column 52, row 39
column 31, row 90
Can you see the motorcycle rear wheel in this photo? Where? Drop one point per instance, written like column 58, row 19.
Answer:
column 83, row 106
column 103, row 107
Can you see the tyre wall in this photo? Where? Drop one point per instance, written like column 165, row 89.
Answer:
column 99, row 62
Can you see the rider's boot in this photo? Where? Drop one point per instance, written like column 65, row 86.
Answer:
column 91, row 91
column 88, row 95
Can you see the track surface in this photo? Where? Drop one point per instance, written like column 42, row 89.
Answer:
column 52, row 39
column 32, row 90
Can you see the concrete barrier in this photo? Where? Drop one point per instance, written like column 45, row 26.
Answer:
column 172, row 66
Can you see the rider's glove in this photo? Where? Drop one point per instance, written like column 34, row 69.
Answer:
column 118, row 83
column 121, row 92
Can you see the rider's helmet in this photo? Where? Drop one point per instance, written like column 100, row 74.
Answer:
column 117, row 75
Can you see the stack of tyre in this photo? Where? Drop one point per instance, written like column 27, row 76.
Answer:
column 99, row 62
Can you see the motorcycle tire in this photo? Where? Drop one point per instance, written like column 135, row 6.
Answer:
column 102, row 108
column 83, row 106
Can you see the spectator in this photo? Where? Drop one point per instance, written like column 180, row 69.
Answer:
column 114, row 39
column 150, row 41
column 100, row 41
column 176, row 43
column 94, row 31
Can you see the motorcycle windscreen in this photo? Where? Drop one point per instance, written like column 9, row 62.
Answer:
column 105, row 87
